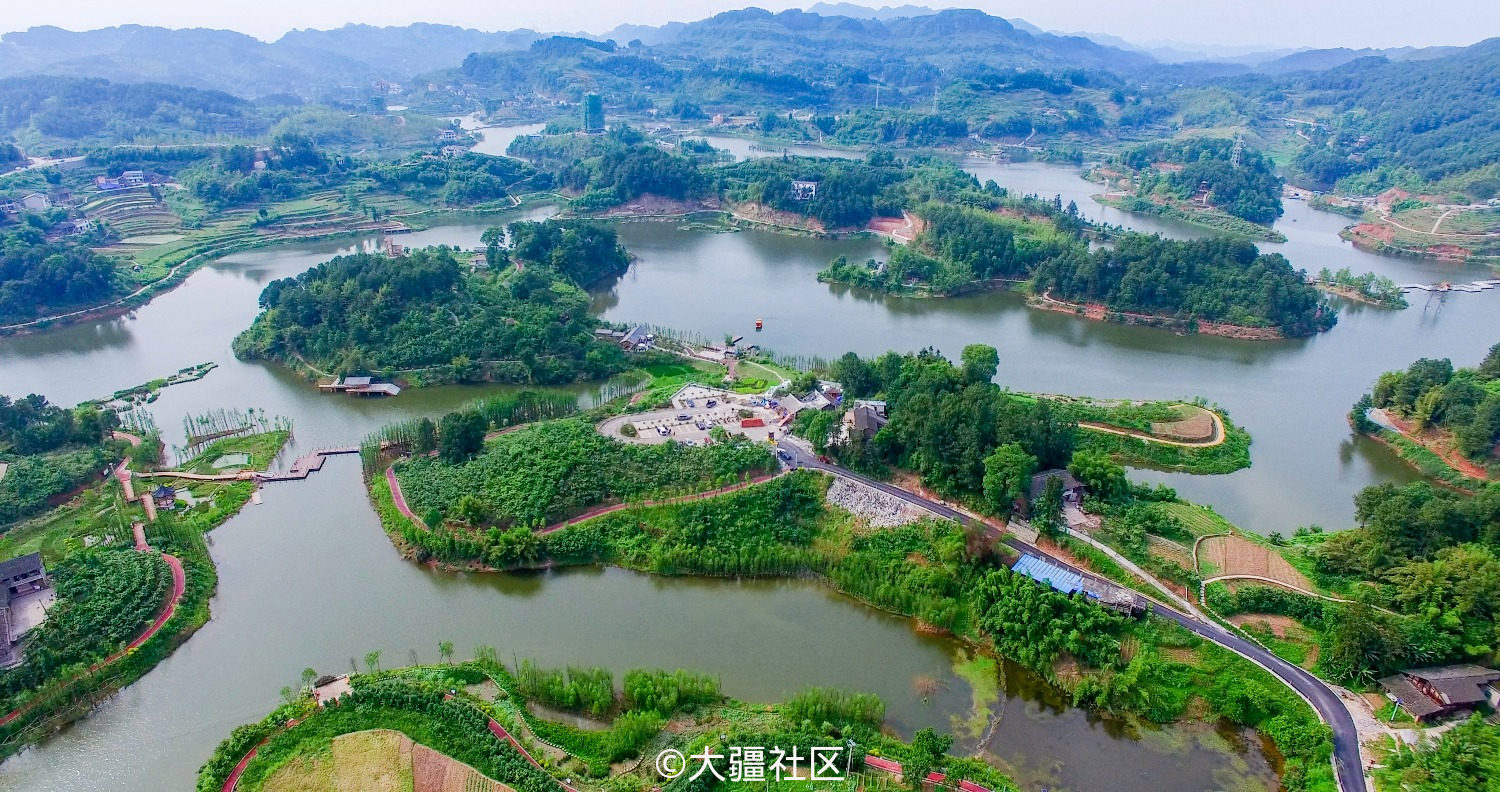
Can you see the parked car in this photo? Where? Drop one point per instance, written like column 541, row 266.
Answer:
column 684, row 417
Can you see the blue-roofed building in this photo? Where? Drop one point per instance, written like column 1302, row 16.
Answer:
column 1041, row 570
column 1067, row 581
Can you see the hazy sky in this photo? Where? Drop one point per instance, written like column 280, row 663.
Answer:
column 1280, row 23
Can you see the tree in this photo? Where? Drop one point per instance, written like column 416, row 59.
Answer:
column 1046, row 513
column 980, row 362
column 445, row 651
column 856, row 375
column 426, row 439
column 1490, row 368
column 1007, row 472
column 308, row 676
column 288, row 695
column 372, row 660
column 927, row 749
column 1104, row 477
column 460, row 436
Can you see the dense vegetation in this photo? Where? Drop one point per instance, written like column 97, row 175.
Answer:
column 551, row 471
column 1216, row 279
column 31, row 425
column 962, row 248
column 1249, row 190
column 72, row 108
column 367, row 313
column 1429, row 554
column 38, row 277
column 1417, row 123
column 106, row 597
column 1453, row 762
column 848, row 192
column 1463, row 403
column 49, row 450
column 458, row 181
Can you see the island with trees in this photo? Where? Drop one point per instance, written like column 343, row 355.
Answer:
column 426, row 317
column 1218, row 286
column 1208, row 181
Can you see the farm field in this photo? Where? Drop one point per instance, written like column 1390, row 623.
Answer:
column 1234, row 555
column 380, row 760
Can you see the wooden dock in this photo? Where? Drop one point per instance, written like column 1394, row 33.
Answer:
column 306, row 465
column 1475, row 287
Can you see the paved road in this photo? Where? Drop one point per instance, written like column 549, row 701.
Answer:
column 1330, row 708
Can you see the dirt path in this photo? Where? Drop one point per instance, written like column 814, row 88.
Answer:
column 1219, row 434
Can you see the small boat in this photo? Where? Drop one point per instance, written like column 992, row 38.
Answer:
column 759, row 324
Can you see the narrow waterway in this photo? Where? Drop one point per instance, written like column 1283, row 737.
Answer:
column 309, row 579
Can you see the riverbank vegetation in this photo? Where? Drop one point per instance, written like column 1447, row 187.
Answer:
column 449, row 709
column 1367, row 288
column 424, row 312
column 49, row 450
column 1451, row 413
column 486, row 504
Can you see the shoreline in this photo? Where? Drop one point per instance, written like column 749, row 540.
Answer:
column 1101, row 313
column 1354, row 295
column 1234, row 226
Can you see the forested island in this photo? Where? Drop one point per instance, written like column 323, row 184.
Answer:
column 425, row 316
column 1214, row 182
column 1216, row 285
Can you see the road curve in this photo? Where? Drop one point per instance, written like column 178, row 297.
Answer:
column 1347, row 768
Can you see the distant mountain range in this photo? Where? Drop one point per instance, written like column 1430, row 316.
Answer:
column 314, row 63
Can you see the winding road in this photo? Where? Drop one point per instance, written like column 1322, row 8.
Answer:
column 1347, row 768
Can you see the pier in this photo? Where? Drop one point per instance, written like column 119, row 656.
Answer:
column 307, row 464
column 360, row 386
column 1476, row 286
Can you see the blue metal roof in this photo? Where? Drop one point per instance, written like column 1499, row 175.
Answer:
column 1044, row 571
